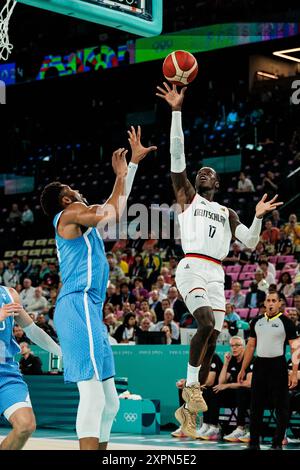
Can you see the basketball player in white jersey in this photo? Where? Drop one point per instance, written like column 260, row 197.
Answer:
column 206, row 232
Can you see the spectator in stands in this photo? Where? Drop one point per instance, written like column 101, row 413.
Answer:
column 168, row 322
column 224, row 336
column 255, row 297
column 51, row 279
column 162, row 287
column 262, row 284
column 268, row 276
column 137, row 269
column 126, row 332
column 27, row 217
column 41, row 322
column 39, row 303
column 14, row 216
column 125, row 295
column 270, row 235
column 29, row 363
column 235, row 256
column 293, row 315
column 297, row 281
column 156, row 305
column 276, row 220
column 245, row 185
column 126, row 308
column 152, row 263
column 112, row 323
column 139, row 291
column 145, row 324
column 237, row 299
column 230, row 315
column 53, row 293
column 256, row 254
column 286, row 285
column 20, row 335
column 233, row 393
column 111, row 296
column 27, row 293
column 11, row 276
column 292, row 230
column 284, row 246
column 271, row 267
column 122, row 263
column 269, row 184
column 173, row 265
column 176, row 303
column 44, row 270
column 25, row 268
column 2, row 269
column 297, row 303
column 115, row 272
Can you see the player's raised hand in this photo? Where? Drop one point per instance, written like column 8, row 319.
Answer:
column 119, row 162
column 171, row 96
column 264, row 206
column 138, row 150
column 9, row 310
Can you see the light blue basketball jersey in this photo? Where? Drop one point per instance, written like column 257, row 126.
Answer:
column 8, row 345
column 83, row 264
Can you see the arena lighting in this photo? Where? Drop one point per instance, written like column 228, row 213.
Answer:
column 267, row 75
column 286, row 56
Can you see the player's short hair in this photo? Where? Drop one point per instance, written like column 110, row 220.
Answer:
column 51, row 198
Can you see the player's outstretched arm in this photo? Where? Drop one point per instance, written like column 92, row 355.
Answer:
column 33, row 332
column 250, row 236
column 138, row 153
column 184, row 190
column 90, row 216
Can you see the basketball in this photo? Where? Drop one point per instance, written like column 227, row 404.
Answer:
column 180, row 68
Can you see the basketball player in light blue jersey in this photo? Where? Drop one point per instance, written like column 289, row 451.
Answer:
column 15, row 403
column 87, row 355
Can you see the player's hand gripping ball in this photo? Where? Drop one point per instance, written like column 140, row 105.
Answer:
column 180, row 68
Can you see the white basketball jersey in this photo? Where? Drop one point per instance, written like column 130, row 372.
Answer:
column 205, row 228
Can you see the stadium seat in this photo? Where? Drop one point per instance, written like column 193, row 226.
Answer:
column 246, row 276
column 48, row 252
column 35, row 252
column 285, row 259
column 42, row 242
column 28, row 243
column 249, row 268
column 243, row 312
column 234, row 276
column 247, row 284
column 253, row 312
column 51, row 241
column 9, row 254
column 228, row 293
column 37, row 261
column 233, row 269
column 22, row 252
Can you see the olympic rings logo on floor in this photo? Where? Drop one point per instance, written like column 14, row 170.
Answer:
column 130, row 417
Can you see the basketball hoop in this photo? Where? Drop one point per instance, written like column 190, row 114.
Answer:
column 5, row 14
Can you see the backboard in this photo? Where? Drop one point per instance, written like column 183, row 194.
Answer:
column 141, row 17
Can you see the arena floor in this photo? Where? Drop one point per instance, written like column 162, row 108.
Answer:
column 46, row 439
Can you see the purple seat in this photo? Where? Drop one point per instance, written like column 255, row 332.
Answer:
column 234, row 276
column 247, row 284
column 249, row 268
column 246, row 276
column 233, row 269
column 253, row 312
column 243, row 312
column 286, row 259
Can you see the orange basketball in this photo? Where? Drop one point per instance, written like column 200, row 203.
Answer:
column 180, row 68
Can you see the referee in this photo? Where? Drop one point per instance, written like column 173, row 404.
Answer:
column 269, row 334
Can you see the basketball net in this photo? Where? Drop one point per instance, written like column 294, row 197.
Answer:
column 5, row 14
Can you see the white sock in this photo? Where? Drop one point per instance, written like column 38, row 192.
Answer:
column 192, row 375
